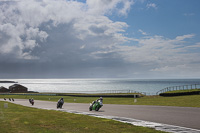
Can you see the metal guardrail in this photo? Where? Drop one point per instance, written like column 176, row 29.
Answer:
column 182, row 87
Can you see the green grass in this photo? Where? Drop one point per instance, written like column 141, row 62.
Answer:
column 20, row 119
column 183, row 101
column 180, row 91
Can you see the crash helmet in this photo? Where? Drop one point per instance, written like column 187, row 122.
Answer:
column 101, row 98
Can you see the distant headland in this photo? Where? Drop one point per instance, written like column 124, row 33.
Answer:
column 8, row 82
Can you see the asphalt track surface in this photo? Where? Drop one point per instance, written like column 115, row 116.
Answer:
column 188, row 117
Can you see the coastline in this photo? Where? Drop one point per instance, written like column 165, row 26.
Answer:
column 6, row 81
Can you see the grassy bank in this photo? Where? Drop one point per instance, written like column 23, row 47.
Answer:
column 183, row 101
column 22, row 119
column 183, row 91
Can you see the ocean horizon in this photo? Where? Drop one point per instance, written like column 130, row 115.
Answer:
column 100, row 85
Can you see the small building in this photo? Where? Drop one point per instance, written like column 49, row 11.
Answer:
column 4, row 90
column 17, row 88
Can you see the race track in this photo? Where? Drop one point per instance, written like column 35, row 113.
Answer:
column 179, row 116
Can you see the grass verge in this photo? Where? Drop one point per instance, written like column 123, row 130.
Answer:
column 183, row 91
column 17, row 118
column 182, row 101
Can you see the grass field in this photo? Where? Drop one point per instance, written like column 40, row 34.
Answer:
column 183, row 101
column 20, row 119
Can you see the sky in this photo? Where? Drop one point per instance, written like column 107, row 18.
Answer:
column 140, row 39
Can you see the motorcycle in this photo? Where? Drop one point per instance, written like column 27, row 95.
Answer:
column 31, row 101
column 60, row 104
column 96, row 105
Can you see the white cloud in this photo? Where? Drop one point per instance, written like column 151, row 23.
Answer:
column 155, row 50
column 108, row 6
column 169, row 68
column 30, row 23
column 180, row 38
column 160, row 51
column 126, row 7
column 142, row 32
column 198, row 44
column 195, row 46
column 179, row 71
column 151, row 5
column 188, row 14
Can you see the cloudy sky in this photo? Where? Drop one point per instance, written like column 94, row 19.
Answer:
column 99, row 39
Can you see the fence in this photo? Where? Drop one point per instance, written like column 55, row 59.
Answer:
column 84, row 92
column 183, row 87
column 107, row 91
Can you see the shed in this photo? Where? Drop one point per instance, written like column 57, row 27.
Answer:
column 17, row 88
column 3, row 89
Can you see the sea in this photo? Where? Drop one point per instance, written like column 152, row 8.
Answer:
column 146, row 86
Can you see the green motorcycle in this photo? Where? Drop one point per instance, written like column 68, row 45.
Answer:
column 96, row 105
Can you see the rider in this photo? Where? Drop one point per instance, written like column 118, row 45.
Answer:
column 61, row 100
column 100, row 99
column 60, row 103
column 32, row 100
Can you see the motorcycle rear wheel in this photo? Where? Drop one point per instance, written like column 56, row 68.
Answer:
column 90, row 108
column 97, row 109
